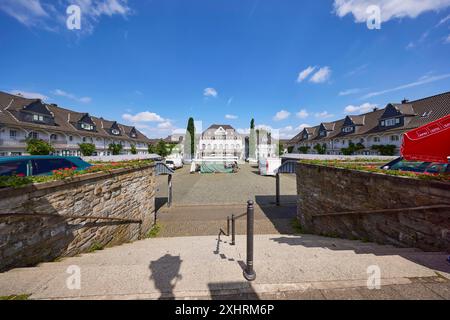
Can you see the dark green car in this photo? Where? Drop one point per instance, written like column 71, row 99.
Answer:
column 25, row 166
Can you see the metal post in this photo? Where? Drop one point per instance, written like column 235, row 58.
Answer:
column 278, row 189
column 249, row 272
column 233, row 230
column 228, row 226
column 169, row 196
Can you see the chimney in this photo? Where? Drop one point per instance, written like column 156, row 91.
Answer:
column 405, row 101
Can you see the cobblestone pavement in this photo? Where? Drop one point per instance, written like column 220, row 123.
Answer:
column 217, row 189
column 208, row 220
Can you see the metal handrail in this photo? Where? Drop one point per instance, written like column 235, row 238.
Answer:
column 130, row 221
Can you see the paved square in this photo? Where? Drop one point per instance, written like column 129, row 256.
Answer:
column 226, row 189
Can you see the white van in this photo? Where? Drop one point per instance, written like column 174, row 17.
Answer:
column 174, row 163
column 269, row 166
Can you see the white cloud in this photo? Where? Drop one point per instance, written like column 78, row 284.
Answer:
column 349, row 92
column 51, row 15
column 321, row 76
column 423, row 80
column 166, row 125
column 231, row 117
column 210, row 92
column 281, row 115
column 29, row 95
column 444, row 20
column 146, row 116
column 302, row 114
column 447, row 40
column 305, row 73
column 365, row 107
column 230, row 101
column 324, row 115
column 62, row 93
column 390, row 9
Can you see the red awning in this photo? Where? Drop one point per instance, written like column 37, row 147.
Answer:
column 430, row 143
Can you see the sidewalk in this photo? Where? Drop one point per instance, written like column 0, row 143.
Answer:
column 287, row 267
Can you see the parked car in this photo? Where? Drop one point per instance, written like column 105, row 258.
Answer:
column 417, row 166
column 174, row 163
column 269, row 166
column 39, row 165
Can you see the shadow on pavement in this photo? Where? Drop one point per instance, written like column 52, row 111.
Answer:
column 232, row 291
column 165, row 273
column 431, row 260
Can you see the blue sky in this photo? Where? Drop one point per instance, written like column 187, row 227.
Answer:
column 286, row 63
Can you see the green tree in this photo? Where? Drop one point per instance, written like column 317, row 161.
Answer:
column 304, row 150
column 37, row 147
column 321, row 148
column 87, row 149
column 252, row 140
column 161, row 149
column 352, row 149
column 385, row 150
column 133, row 149
column 190, row 139
column 115, row 149
column 151, row 149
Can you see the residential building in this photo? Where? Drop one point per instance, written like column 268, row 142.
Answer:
column 380, row 127
column 221, row 141
column 22, row 118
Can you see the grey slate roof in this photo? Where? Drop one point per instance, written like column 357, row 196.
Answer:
column 11, row 105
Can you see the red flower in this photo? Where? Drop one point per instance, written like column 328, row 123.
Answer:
column 21, row 175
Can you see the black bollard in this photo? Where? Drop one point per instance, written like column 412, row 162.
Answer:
column 277, row 187
column 249, row 272
column 228, row 226
column 233, row 230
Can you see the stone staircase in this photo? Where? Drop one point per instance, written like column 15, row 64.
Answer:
column 205, row 267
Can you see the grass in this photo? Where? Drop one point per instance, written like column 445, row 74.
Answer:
column 96, row 247
column 297, row 227
column 154, row 231
column 16, row 297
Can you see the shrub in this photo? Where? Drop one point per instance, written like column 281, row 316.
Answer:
column 161, row 149
column 321, row 149
column 385, row 150
column 352, row 149
column 304, row 150
column 133, row 149
column 151, row 149
column 87, row 149
column 37, row 147
column 115, row 149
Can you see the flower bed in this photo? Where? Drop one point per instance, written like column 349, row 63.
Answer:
column 369, row 166
column 68, row 173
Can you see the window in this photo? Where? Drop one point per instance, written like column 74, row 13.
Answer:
column 347, row 129
column 48, row 165
column 115, row 132
column 37, row 117
column 54, row 137
column 395, row 138
column 376, row 139
column 33, row 135
column 390, row 122
column 70, row 138
column 13, row 134
column 87, row 126
column 16, row 167
column 323, row 133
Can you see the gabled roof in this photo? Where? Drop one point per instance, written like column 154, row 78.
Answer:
column 10, row 105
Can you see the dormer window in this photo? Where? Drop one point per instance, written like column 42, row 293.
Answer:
column 133, row 135
column 86, row 126
column 390, row 122
column 347, row 129
column 323, row 133
column 37, row 117
column 115, row 132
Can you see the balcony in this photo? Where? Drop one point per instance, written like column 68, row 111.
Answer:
column 13, row 142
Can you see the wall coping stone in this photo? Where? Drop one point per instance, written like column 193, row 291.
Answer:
column 407, row 180
column 12, row 192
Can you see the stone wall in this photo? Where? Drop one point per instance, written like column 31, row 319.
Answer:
column 325, row 193
column 29, row 240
